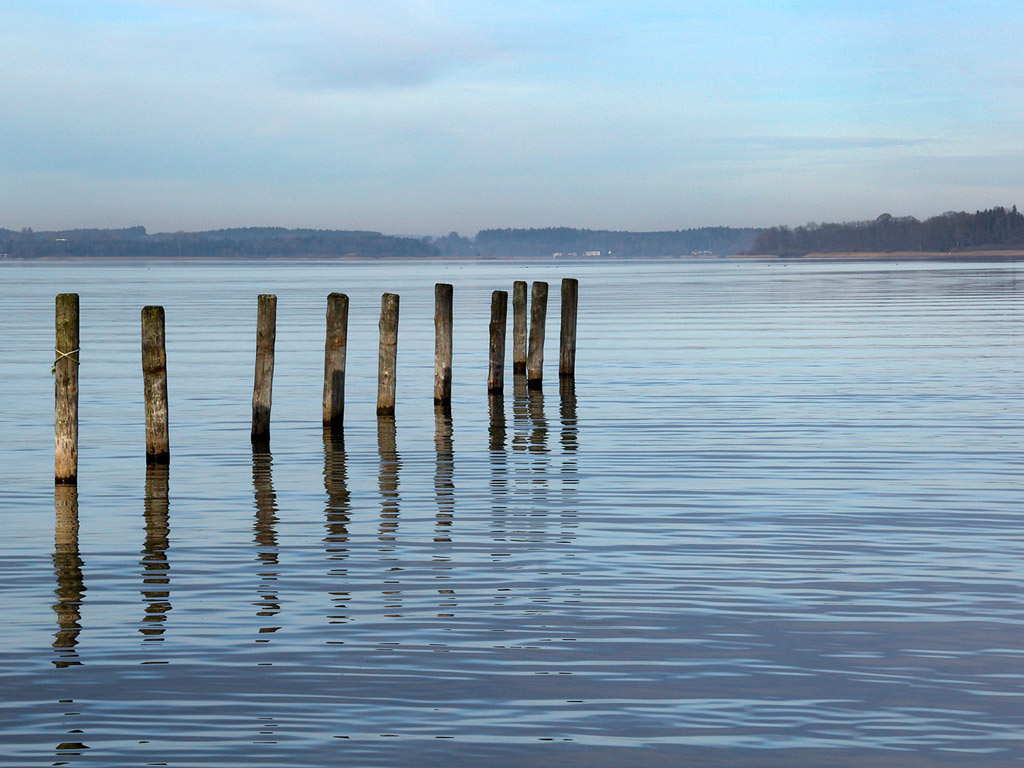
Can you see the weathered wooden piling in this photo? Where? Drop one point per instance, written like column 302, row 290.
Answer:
column 154, row 378
column 496, row 353
column 538, row 315
column 65, row 371
column 388, row 355
column 442, row 343
column 263, row 381
column 334, row 361
column 519, row 309
column 567, row 345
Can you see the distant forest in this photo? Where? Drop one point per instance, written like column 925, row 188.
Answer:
column 261, row 242
column 952, row 232
column 248, row 243
column 567, row 243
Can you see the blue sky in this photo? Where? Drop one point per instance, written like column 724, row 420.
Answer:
column 420, row 116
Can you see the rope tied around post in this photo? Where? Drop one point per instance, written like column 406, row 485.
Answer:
column 61, row 356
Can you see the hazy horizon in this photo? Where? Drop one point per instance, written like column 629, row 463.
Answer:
column 431, row 116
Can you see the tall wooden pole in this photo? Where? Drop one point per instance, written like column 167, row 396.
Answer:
column 65, row 371
column 388, row 354
column 538, row 316
column 334, row 361
column 154, row 378
column 519, row 310
column 442, row 344
column 567, row 346
column 263, row 381
column 496, row 353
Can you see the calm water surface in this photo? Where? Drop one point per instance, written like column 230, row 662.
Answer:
column 776, row 522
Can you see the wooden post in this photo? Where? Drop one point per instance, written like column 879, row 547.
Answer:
column 263, row 383
column 154, row 377
column 496, row 356
column 334, row 361
column 567, row 347
column 538, row 315
column 65, row 371
column 388, row 355
column 442, row 344
column 519, row 327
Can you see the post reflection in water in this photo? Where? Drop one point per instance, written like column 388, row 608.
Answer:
column 67, row 565
column 496, row 434
column 444, row 497
column 339, row 507
column 567, row 414
column 538, row 441
column 496, row 421
column 570, row 459
column 387, row 479
column 265, row 537
column 531, row 427
column 444, row 473
column 532, row 462
column 155, row 566
column 520, row 412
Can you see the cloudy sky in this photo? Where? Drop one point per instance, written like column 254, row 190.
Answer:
column 424, row 116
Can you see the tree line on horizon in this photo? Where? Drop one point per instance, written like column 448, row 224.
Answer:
column 951, row 232
column 566, row 242
column 261, row 242
column 242, row 243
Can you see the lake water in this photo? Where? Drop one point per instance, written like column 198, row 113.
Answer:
column 777, row 521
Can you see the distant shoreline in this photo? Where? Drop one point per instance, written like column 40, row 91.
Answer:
column 961, row 256
column 889, row 256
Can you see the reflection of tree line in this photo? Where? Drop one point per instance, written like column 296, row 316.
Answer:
column 529, row 441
